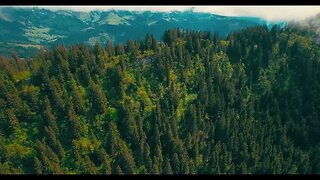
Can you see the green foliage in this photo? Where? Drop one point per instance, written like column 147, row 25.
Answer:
column 247, row 104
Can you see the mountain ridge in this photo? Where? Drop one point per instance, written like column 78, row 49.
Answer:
column 46, row 28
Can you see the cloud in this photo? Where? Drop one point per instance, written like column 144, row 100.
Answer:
column 270, row 13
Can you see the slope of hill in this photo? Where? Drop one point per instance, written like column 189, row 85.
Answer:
column 248, row 104
column 27, row 29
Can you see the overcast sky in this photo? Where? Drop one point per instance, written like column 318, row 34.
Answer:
column 271, row 13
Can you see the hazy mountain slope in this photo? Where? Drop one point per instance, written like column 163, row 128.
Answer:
column 22, row 27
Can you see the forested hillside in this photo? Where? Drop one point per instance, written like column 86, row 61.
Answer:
column 191, row 104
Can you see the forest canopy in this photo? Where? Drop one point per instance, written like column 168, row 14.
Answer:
column 193, row 103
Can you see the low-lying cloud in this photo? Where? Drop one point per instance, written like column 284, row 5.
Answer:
column 270, row 13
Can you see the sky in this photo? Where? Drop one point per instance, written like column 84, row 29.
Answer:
column 270, row 13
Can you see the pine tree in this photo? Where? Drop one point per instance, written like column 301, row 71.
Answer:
column 126, row 159
column 50, row 118
column 98, row 98
column 13, row 121
column 77, row 129
column 167, row 168
column 105, row 159
column 78, row 100
column 54, row 142
column 37, row 166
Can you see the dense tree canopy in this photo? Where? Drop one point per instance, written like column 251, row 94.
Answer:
column 191, row 104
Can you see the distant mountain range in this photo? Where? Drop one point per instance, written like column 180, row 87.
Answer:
column 26, row 30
